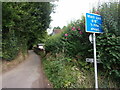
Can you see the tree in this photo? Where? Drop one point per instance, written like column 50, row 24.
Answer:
column 57, row 27
column 64, row 27
column 24, row 24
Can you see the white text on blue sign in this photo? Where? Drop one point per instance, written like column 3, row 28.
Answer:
column 93, row 23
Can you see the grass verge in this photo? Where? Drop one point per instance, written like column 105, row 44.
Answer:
column 64, row 74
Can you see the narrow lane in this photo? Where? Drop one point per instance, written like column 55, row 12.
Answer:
column 28, row 74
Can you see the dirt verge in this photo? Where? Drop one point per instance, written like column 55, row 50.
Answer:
column 8, row 65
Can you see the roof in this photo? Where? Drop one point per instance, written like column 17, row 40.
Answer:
column 56, row 31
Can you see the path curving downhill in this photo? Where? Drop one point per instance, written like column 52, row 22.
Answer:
column 28, row 74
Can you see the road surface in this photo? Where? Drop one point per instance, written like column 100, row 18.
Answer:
column 28, row 74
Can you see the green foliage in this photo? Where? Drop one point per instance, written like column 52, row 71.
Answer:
column 63, row 74
column 60, row 73
column 57, row 27
column 109, row 42
column 73, row 41
column 24, row 25
column 12, row 48
column 39, row 52
column 53, row 44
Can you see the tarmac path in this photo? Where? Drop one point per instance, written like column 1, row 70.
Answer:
column 28, row 74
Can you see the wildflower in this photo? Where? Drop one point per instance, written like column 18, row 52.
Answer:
column 97, row 12
column 73, row 28
column 66, row 34
column 80, row 32
column 78, row 28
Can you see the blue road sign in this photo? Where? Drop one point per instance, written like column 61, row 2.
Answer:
column 93, row 23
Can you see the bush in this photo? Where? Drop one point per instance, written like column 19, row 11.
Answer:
column 109, row 42
column 61, row 74
column 73, row 41
column 54, row 44
column 10, row 48
column 19, row 35
column 39, row 52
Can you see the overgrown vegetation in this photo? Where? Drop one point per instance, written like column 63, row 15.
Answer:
column 74, row 47
column 73, row 41
column 64, row 74
column 109, row 42
column 24, row 24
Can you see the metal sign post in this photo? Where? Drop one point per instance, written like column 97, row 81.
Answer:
column 95, row 62
column 94, row 25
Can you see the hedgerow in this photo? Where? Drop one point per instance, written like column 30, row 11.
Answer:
column 24, row 24
column 109, row 42
column 74, row 41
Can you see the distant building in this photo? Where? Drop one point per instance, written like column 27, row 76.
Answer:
column 56, row 31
